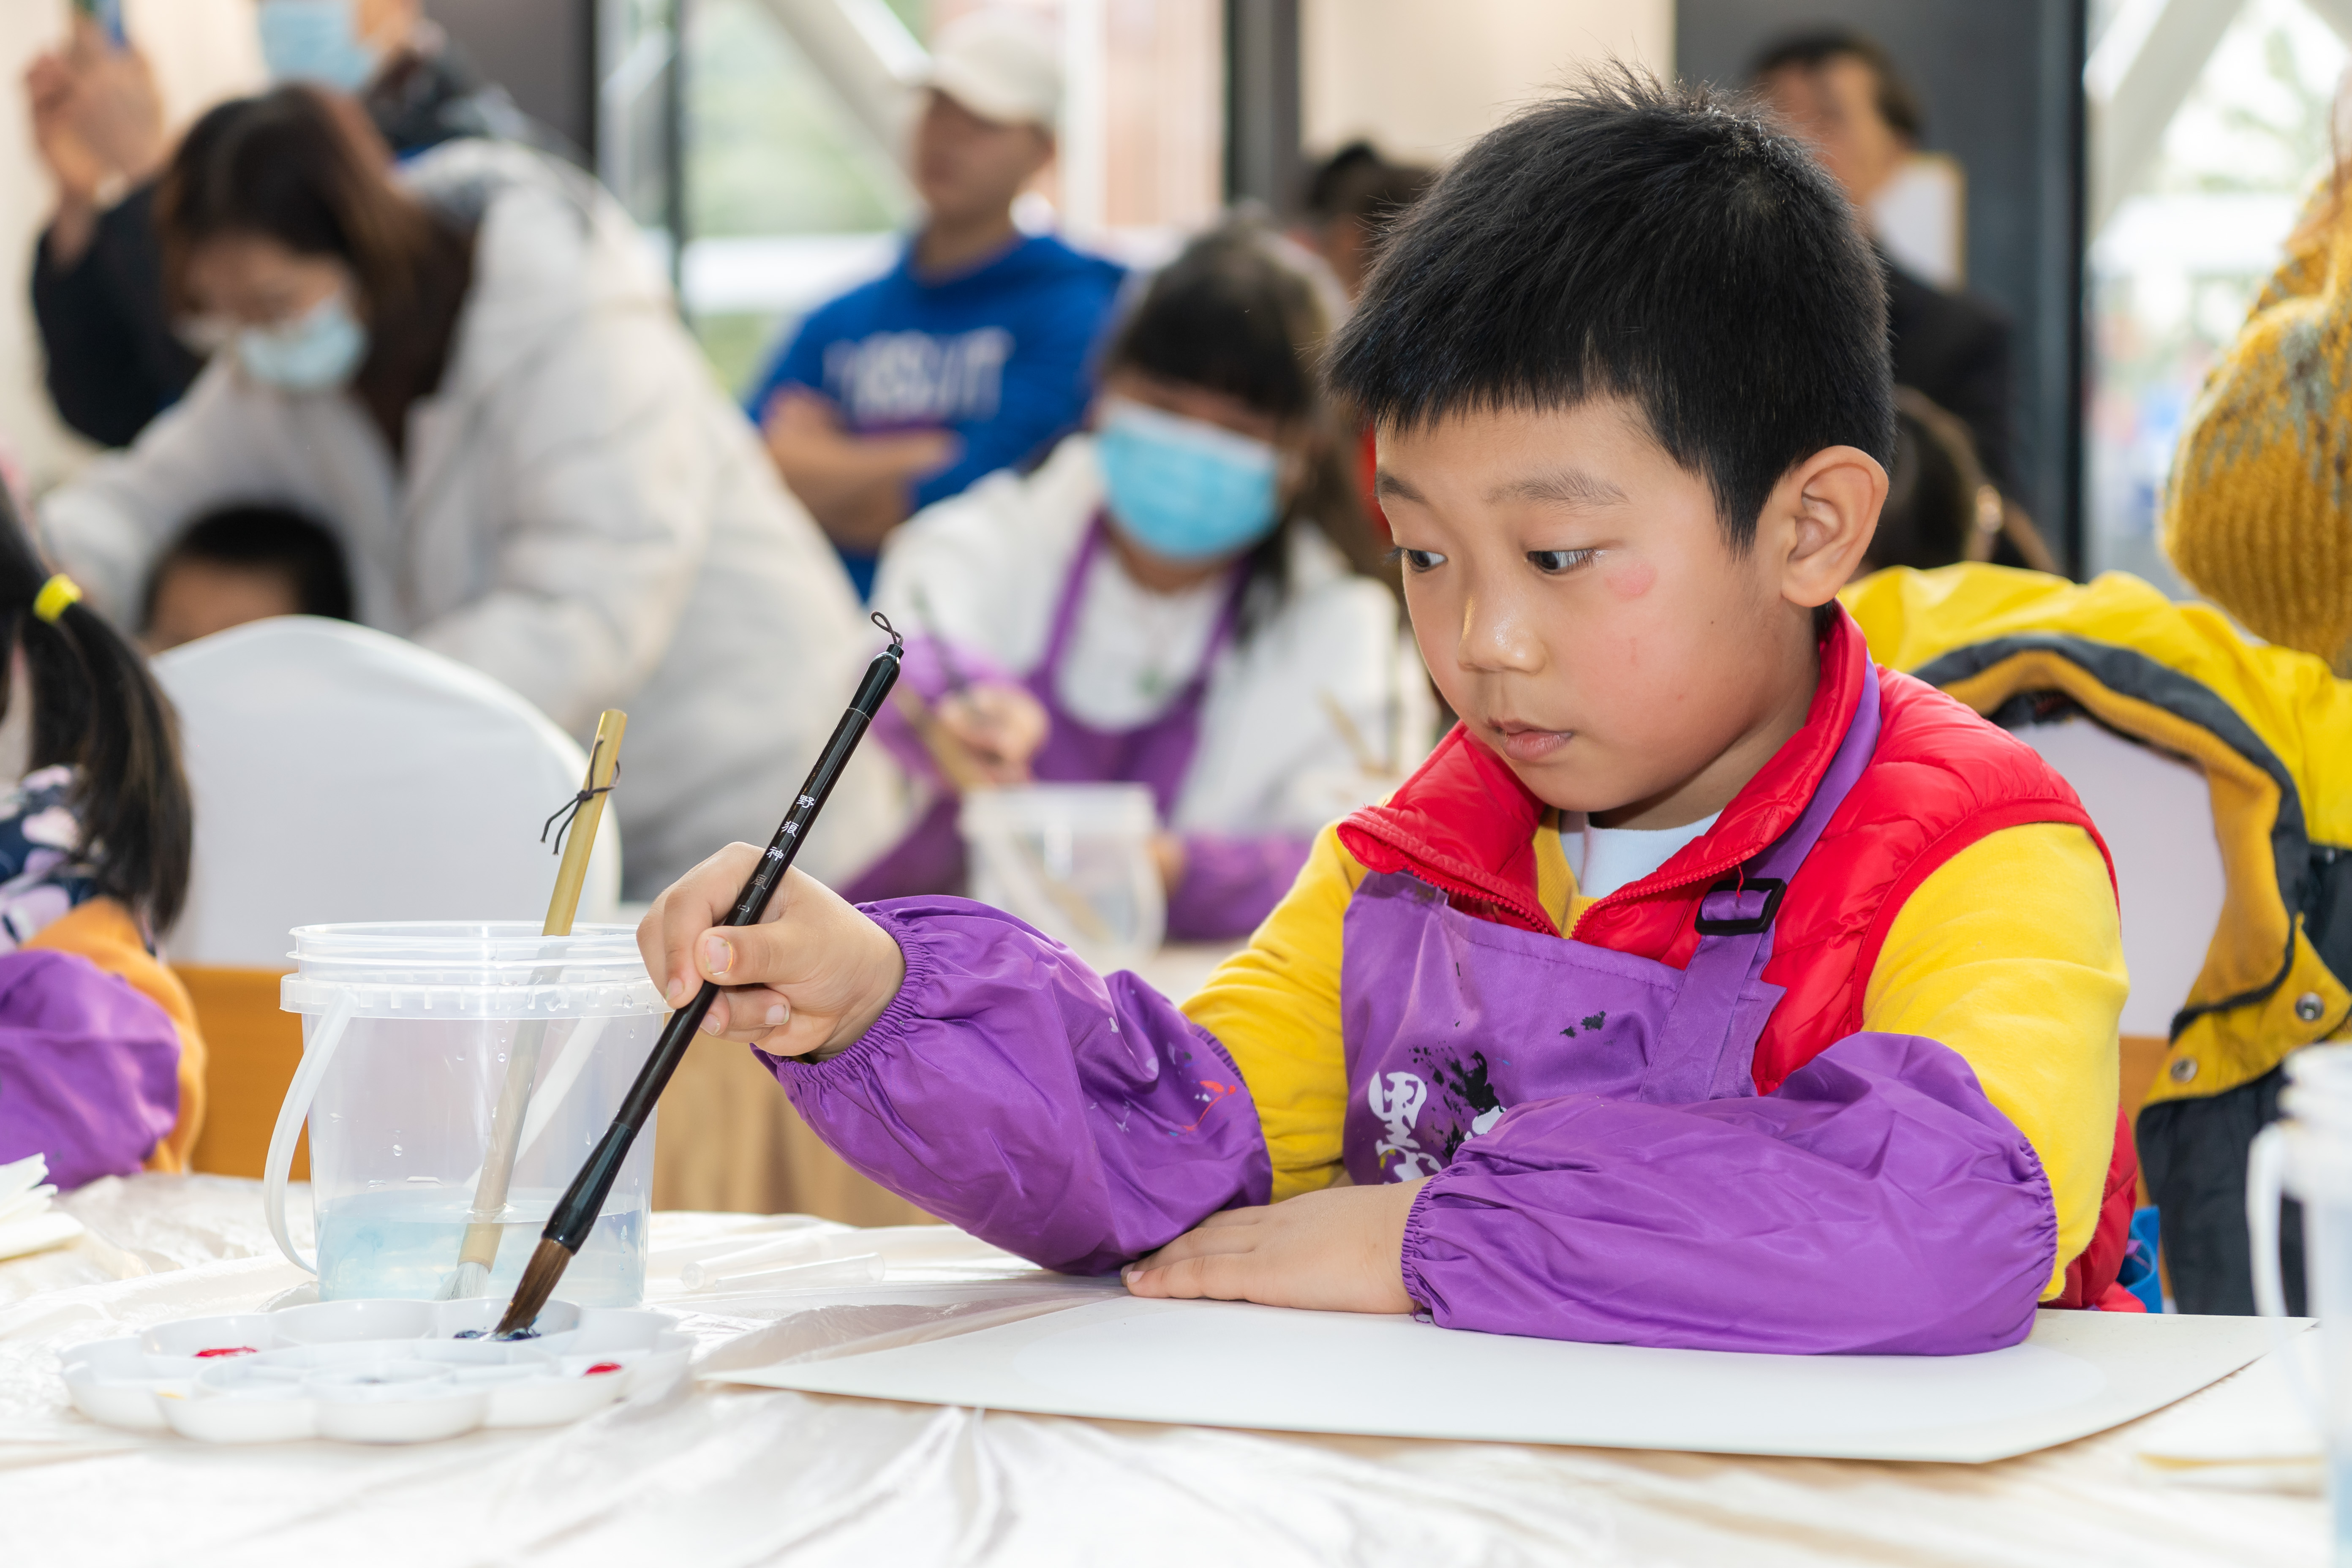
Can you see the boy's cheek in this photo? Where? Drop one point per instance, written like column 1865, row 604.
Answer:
column 1632, row 580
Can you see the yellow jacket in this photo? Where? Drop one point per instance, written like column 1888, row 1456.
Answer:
column 2271, row 727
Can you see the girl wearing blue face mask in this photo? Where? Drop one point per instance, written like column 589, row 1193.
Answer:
column 465, row 370
column 1167, row 600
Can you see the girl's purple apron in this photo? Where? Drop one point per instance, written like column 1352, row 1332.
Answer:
column 930, row 858
column 1551, row 1017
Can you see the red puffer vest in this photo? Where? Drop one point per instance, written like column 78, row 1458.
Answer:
column 1940, row 779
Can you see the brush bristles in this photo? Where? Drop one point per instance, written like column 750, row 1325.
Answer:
column 539, row 1282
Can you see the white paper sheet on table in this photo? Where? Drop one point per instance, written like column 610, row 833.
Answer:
column 1219, row 1363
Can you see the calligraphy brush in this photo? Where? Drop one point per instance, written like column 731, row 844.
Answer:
column 480, row 1251
column 575, row 1215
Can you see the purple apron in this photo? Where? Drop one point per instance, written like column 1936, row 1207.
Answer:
column 1157, row 754
column 930, row 858
column 1449, row 1020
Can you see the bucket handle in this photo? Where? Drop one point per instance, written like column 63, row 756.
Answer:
column 2266, row 1187
column 295, row 1110
column 2266, row 1162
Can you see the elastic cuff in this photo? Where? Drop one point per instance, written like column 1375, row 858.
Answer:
column 1409, row 1260
column 885, row 1031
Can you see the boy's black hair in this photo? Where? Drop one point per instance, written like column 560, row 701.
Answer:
column 1898, row 105
column 1652, row 243
column 95, row 708
column 263, row 537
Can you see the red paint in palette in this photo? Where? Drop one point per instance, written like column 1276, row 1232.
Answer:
column 602, row 1366
column 227, row 1350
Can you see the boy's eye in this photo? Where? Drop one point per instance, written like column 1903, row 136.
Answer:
column 1418, row 560
column 1553, row 562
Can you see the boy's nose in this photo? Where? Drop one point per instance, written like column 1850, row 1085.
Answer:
column 1499, row 634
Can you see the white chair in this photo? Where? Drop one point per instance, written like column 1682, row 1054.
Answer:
column 342, row 774
column 2157, row 816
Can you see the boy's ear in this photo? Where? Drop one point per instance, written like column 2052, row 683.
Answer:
column 1820, row 521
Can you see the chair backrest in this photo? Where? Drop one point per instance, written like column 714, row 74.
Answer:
column 2157, row 816
column 342, row 774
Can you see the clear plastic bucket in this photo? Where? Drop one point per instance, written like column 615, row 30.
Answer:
column 407, row 1030
column 2308, row 1155
column 1075, row 861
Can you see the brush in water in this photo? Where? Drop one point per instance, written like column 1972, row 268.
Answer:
column 575, row 1215
column 479, row 1252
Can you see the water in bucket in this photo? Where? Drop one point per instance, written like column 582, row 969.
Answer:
column 2308, row 1156
column 1075, row 861
column 408, row 1029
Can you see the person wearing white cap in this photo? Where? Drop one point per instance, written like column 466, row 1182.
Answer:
column 971, row 354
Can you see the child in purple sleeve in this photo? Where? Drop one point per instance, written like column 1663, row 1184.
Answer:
column 1708, row 987
column 1162, row 604
column 100, row 1066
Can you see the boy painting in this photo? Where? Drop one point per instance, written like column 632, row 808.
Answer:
column 1710, row 986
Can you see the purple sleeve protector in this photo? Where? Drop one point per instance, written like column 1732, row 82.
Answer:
column 929, row 858
column 1077, row 1120
column 925, row 670
column 1876, row 1202
column 1231, row 882
column 89, row 1069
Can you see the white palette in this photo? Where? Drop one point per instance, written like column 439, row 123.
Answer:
column 1214, row 1364
column 372, row 1371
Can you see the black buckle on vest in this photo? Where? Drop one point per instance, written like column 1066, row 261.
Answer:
column 1742, row 925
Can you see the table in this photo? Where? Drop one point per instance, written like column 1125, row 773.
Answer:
column 721, row 1476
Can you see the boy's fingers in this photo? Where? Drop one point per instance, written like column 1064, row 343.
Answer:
column 747, row 1014
column 1219, row 1278
column 763, row 954
column 691, row 906
column 1202, row 1242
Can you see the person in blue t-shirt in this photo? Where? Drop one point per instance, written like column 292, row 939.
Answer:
column 971, row 354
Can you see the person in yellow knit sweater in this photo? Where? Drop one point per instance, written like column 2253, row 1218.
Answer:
column 101, row 1066
column 1708, row 987
column 2258, row 510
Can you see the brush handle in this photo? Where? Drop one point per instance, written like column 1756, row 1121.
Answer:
column 575, row 1215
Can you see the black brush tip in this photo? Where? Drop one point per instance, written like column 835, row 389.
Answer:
column 539, row 1279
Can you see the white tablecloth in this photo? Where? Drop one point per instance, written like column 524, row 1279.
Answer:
column 715, row 1474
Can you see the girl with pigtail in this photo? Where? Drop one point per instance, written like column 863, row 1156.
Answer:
column 101, row 1068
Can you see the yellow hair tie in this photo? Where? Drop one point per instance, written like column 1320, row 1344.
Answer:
column 55, row 595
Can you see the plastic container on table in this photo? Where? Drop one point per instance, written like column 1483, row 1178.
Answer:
column 1074, row 860
column 407, row 1032
column 2308, row 1155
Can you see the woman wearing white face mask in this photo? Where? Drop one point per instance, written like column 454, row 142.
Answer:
column 98, row 123
column 470, row 374
column 1156, row 604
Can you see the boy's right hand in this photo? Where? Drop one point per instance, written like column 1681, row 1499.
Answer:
column 808, row 981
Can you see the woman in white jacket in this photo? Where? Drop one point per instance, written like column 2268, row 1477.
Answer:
column 469, row 371
column 1154, row 605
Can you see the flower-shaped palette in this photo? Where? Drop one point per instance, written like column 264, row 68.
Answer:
column 373, row 1372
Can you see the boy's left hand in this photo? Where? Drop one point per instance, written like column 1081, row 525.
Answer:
column 1337, row 1251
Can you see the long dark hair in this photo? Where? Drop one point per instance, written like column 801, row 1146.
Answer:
column 306, row 169
column 1232, row 315
column 96, row 708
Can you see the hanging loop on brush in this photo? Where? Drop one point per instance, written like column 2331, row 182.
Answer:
column 571, row 809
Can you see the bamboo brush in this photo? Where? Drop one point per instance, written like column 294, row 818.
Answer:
column 480, row 1253
column 575, row 1215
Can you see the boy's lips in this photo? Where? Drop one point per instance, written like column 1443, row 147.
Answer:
column 1528, row 743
